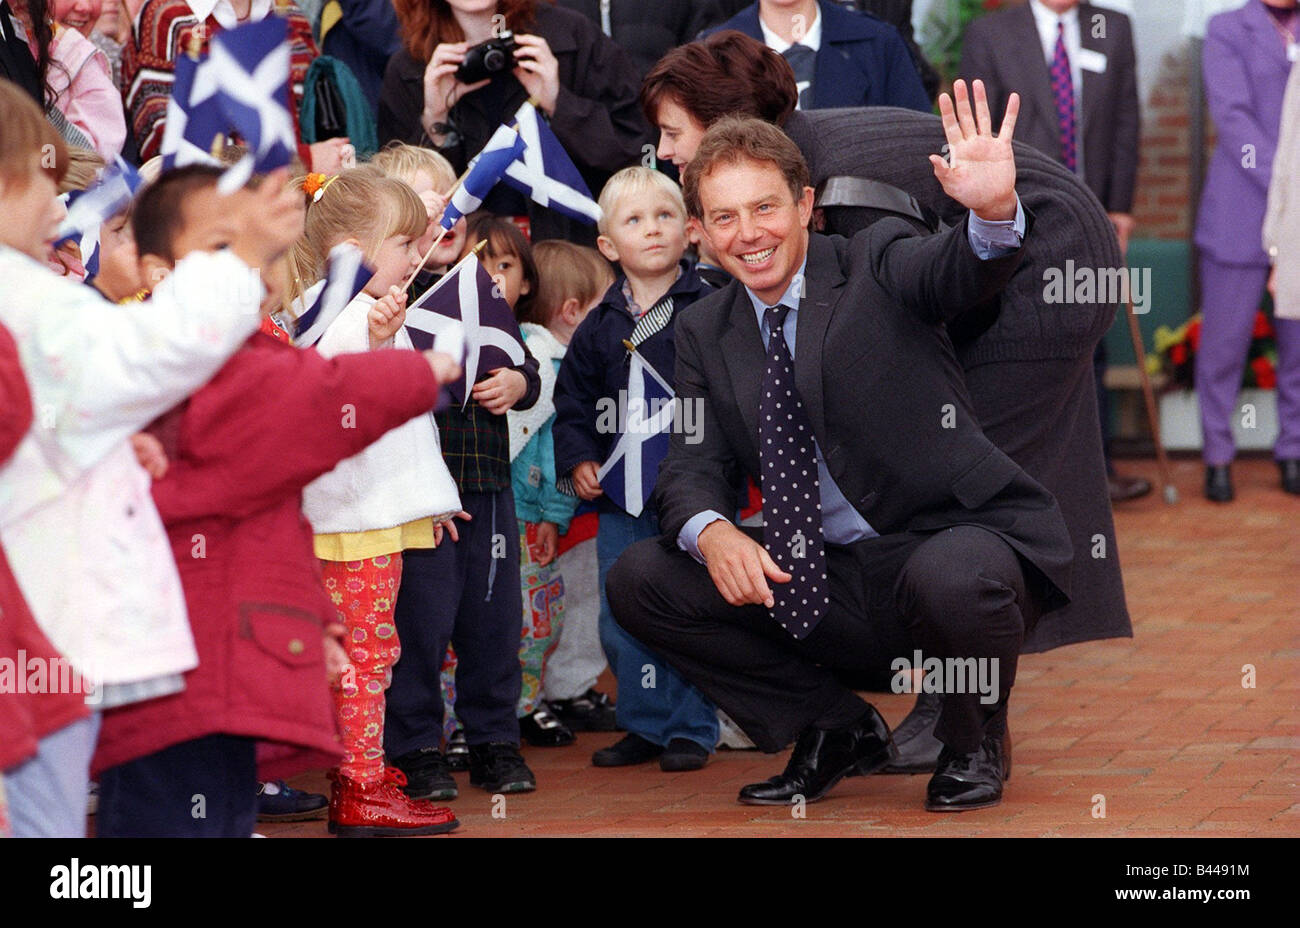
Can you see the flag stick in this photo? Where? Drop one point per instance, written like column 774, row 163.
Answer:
column 441, row 235
column 460, row 180
column 419, row 267
column 453, row 270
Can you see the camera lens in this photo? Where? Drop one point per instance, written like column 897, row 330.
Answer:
column 494, row 59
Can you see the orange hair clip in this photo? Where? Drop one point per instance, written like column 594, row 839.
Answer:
column 314, row 185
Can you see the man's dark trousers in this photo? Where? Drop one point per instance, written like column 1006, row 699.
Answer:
column 962, row 592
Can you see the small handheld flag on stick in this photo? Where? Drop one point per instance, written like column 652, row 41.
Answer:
column 250, row 67
column 191, row 123
column 485, row 170
column 90, row 208
column 546, row 173
column 345, row 276
column 470, row 189
column 242, row 87
column 629, row 473
column 466, row 304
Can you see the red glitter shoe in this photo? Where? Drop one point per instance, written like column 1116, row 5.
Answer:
column 379, row 810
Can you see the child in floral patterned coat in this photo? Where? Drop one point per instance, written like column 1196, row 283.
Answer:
column 572, row 280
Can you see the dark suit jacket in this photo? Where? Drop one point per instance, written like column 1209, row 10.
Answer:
column 1003, row 50
column 862, row 61
column 876, row 373
column 1028, row 364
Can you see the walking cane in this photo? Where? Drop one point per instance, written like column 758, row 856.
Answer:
column 1166, row 484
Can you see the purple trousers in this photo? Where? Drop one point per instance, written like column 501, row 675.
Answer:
column 1230, row 295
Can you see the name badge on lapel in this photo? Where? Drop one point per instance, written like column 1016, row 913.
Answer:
column 534, row 476
column 1092, row 60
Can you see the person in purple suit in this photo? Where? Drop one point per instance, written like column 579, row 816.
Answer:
column 1247, row 59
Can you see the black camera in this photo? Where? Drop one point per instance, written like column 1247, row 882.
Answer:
column 488, row 59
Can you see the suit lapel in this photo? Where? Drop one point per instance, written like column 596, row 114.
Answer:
column 823, row 281
column 742, row 352
column 1035, row 79
column 1094, row 84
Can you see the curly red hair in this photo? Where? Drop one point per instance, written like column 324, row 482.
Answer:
column 428, row 23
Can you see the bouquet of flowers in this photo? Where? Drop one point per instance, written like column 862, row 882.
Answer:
column 1175, row 354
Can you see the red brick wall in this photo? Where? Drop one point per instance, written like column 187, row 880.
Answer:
column 1162, row 205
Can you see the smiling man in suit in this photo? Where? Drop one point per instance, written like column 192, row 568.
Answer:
column 824, row 372
column 1074, row 66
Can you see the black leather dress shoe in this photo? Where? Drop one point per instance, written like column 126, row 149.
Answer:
column 822, row 758
column 1290, row 475
column 1218, row 484
column 918, row 748
column 1122, row 489
column 970, row 781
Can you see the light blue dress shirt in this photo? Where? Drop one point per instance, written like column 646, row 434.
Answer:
column 841, row 523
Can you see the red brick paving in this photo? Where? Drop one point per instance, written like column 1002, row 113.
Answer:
column 1160, row 725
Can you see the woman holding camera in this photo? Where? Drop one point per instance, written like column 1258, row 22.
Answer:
column 582, row 82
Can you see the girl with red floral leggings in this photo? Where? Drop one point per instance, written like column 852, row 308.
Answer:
column 393, row 496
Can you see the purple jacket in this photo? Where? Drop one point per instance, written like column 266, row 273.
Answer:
column 1246, row 70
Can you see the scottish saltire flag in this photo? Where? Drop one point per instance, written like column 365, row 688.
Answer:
column 346, row 275
column 248, row 70
column 466, row 306
column 90, row 208
column 546, row 173
column 87, row 241
column 240, row 88
column 646, row 410
column 483, row 174
column 191, row 124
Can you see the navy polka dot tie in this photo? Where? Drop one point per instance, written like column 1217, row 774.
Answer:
column 792, row 509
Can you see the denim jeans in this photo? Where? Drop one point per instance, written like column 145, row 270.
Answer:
column 653, row 700
column 47, row 792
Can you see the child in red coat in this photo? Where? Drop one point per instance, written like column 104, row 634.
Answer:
column 27, row 712
column 241, row 450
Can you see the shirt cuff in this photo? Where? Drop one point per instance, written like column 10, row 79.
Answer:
column 688, row 539
column 997, row 238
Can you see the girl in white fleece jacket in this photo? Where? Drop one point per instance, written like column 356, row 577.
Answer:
column 394, row 495
column 76, row 516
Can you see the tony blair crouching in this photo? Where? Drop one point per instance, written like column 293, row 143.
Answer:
column 825, row 373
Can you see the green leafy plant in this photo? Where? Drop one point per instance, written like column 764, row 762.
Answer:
column 945, row 27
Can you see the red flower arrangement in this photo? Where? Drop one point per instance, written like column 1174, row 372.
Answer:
column 1265, row 374
column 1176, row 349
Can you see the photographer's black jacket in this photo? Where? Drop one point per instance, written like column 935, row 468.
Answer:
column 597, row 117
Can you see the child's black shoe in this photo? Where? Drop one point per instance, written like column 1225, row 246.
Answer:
column 542, row 729
column 498, row 768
